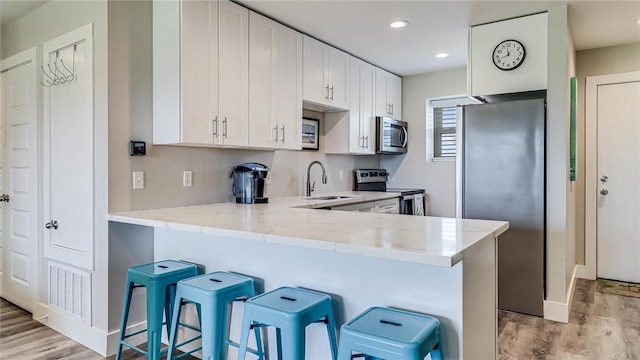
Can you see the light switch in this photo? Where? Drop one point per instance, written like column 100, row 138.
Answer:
column 187, row 178
column 138, row 180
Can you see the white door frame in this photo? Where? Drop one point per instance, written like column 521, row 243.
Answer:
column 591, row 163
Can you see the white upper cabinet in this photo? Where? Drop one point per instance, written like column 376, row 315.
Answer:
column 275, row 79
column 263, row 81
column 388, row 94
column 193, row 102
column 233, row 83
column 354, row 131
column 289, row 89
column 326, row 74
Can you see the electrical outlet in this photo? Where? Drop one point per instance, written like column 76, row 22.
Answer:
column 187, row 178
column 138, row 180
column 341, row 175
column 268, row 179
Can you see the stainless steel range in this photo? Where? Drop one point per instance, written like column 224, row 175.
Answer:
column 411, row 200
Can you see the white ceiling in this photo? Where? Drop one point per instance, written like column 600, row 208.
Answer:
column 360, row 27
column 14, row 9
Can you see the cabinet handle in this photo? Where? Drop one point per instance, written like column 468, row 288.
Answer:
column 367, row 142
column 276, row 130
column 224, row 127
column 282, row 140
column 391, row 109
column 215, row 126
column 327, row 97
column 332, row 93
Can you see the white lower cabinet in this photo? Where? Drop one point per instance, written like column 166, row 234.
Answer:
column 386, row 206
column 354, row 132
column 194, row 103
column 275, row 79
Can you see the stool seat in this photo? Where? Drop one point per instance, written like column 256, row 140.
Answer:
column 211, row 293
column 390, row 334
column 160, row 279
column 290, row 310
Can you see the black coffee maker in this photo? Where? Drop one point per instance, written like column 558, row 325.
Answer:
column 248, row 183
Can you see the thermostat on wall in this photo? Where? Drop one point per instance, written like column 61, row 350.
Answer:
column 137, row 148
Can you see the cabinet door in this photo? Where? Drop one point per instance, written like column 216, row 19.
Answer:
column 338, row 78
column 315, row 77
column 195, row 68
column 289, row 94
column 361, row 108
column 367, row 108
column 396, row 97
column 233, row 85
column 263, row 78
column 383, row 104
column 214, row 78
column 356, row 139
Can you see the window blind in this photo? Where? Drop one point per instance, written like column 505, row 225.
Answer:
column 444, row 132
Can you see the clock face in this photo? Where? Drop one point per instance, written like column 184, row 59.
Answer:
column 508, row 55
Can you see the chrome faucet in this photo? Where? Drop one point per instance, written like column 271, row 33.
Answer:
column 310, row 187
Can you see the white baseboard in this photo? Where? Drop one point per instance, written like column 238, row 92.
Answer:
column 559, row 311
column 585, row 272
column 89, row 336
column 95, row 339
column 114, row 337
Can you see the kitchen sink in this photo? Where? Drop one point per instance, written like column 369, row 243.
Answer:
column 331, row 197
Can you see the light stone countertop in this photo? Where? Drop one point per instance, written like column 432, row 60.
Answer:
column 296, row 221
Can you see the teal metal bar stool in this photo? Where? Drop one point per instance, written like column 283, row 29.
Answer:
column 160, row 279
column 290, row 310
column 212, row 294
column 390, row 334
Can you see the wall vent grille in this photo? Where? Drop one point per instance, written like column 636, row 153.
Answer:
column 70, row 291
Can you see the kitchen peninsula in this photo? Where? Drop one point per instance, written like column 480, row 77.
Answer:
column 444, row 267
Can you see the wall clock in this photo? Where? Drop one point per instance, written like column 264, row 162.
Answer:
column 508, row 55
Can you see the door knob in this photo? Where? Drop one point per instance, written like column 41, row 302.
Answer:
column 52, row 224
column 604, row 192
column 604, row 178
column 4, row 197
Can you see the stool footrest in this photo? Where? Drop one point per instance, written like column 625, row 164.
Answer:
column 237, row 346
column 135, row 348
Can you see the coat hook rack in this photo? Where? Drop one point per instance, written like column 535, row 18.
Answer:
column 56, row 75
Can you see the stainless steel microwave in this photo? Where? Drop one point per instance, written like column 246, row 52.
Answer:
column 391, row 136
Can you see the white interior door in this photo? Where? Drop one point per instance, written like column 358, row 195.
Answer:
column 68, row 151
column 18, row 180
column 618, row 204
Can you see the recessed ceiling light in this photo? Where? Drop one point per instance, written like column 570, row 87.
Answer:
column 442, row 55
column 637, row 21
column 399, row 24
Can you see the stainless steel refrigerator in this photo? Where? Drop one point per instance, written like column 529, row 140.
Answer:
column 503, row 178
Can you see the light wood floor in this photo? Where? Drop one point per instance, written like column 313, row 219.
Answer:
column 601, row 326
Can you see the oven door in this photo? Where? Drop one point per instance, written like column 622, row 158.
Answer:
column 392, row 136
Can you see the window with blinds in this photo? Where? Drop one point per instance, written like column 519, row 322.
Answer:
column 444, row 132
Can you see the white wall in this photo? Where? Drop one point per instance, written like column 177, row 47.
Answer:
column 414, row 169
column 602, row 61
column 560, row 193
column 44, row 23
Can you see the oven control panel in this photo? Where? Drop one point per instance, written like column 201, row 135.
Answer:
column 370, row 175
